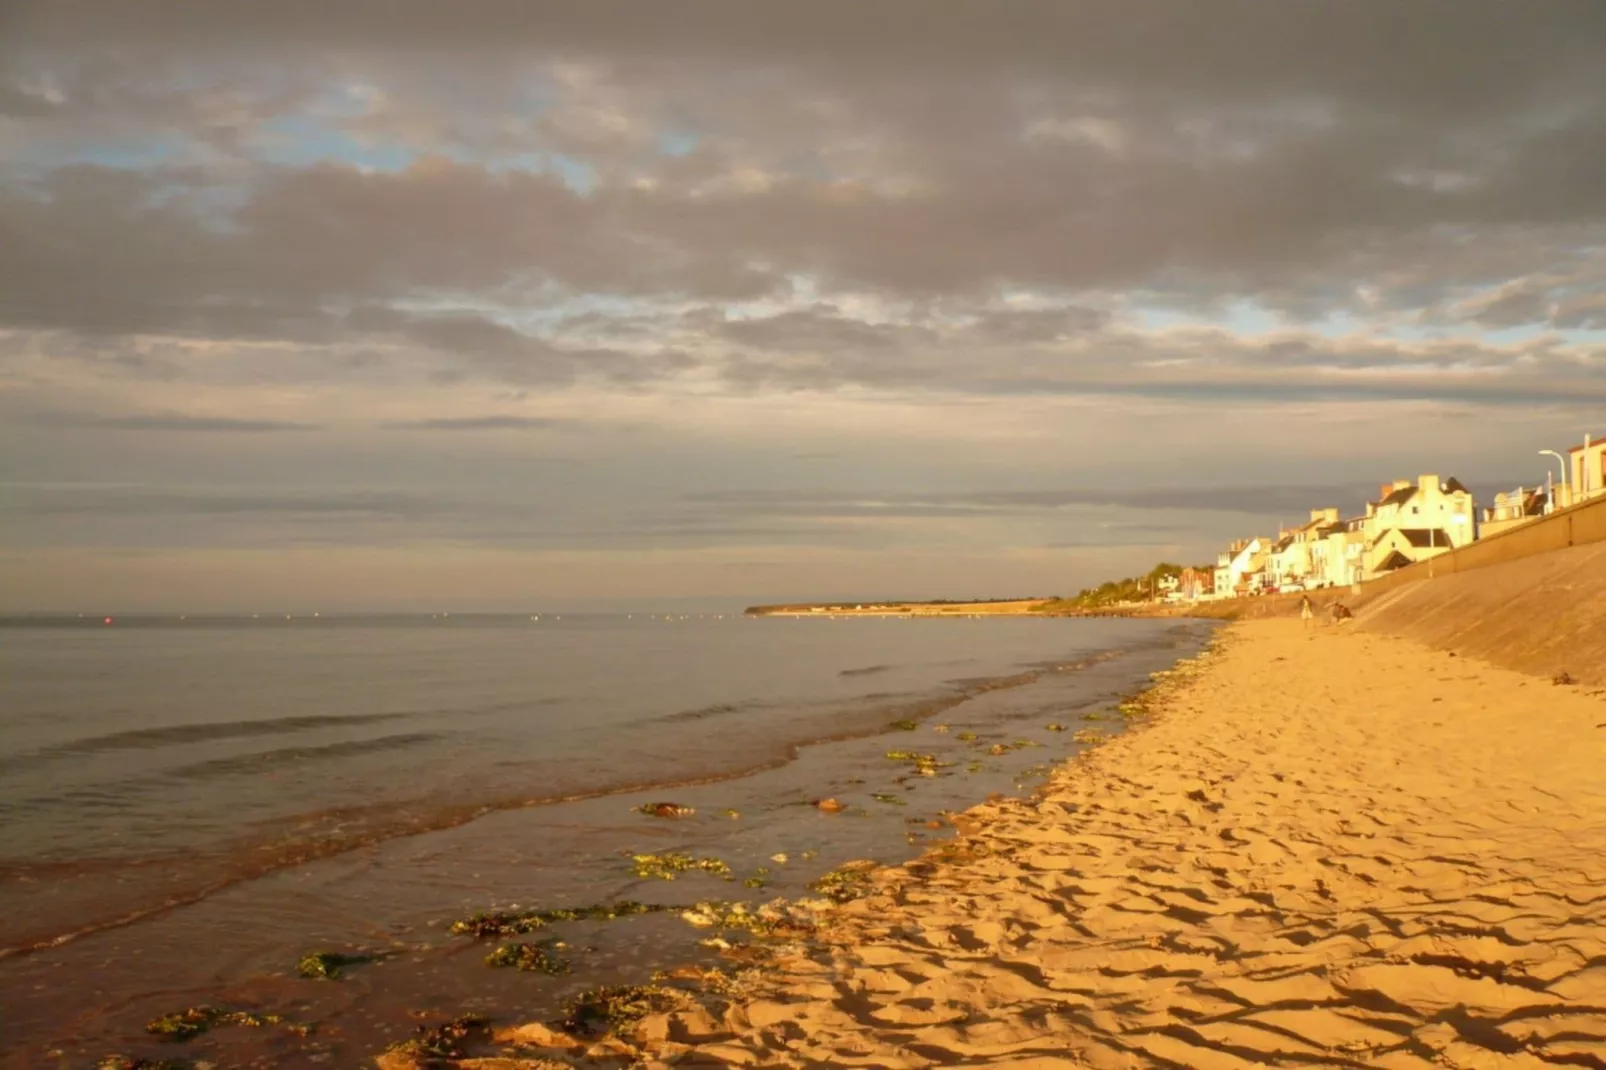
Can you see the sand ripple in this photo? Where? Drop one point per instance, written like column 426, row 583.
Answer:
column 1333, row 849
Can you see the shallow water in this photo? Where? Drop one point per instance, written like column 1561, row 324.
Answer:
column 204, row 802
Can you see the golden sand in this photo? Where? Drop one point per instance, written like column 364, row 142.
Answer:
column 1330, row 848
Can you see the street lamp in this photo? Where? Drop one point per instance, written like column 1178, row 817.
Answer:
column 1561, row 463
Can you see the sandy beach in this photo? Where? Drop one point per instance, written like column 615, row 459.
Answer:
column 1327, row 848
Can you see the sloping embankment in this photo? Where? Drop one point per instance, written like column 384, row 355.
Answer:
column 1543, row 615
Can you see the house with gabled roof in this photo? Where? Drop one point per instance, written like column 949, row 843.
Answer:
column 1292, row 561
column 1412, row 522
column 1339, row 559
column 1241, row 568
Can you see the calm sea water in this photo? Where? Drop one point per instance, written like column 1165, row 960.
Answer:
column 214, row 796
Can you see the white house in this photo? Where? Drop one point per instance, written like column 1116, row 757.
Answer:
column 1241, row 568
column 1339, row 558
column 1586, row 471
column 1291, row 560
column 1413, row 522
column 1513, row 508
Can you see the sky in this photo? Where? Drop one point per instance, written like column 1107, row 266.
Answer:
column 507, row 305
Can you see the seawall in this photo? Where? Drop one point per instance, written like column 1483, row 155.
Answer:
column 1532, row 598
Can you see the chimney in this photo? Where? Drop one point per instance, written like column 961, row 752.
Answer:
column 1427, row 481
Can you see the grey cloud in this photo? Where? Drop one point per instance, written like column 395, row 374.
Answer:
column 1437, row 56
column 1264, row 500
column 178, row 503
column 479, row 423
column 819, row 328
column 172, row 422
column 1290, row 163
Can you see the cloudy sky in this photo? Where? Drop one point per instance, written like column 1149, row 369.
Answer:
column 505, row 304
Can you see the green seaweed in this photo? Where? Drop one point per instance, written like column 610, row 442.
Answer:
column 528, row 921
column 847, row 882
column 889, row 799
column 327, row 965
column 193, row 1021
column 925, row 764
column 124, row 1062
column 672, row 864
column 534, row 958
column 906, row 725
column 767, row 922
column 665, row 809
column 448, row 1040
column 1056, row 726
column 611, row 1008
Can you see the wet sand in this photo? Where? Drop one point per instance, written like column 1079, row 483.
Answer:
column 1327, row 848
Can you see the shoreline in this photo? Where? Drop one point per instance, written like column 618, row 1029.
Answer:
column 1329, row 848
column 237, row 864
column 990, row 713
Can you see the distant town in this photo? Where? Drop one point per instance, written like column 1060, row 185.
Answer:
column 1410, row 521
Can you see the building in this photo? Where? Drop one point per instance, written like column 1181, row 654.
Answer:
column 1513, row 508
column 1195, row 584
column 1413, row 522
column 1290, row 563
column 1586, row 475
column 1339, row 559
column 1241, row 569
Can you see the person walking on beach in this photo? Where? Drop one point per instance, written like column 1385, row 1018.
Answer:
column 1306, row 613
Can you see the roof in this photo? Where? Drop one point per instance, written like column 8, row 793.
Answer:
column 1455, row 486
column 1399, row 497
column 1424, row 537
column 1593, row 443
column 1394, row 560
column 1283, row 544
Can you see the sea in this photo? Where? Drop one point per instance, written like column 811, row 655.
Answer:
column 189, row 805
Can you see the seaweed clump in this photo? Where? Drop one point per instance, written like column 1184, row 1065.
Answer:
column 925, row 764
column 1135, row 707
column 327, row 965
column 847, row 882
column 123, row 1062
column 767, row 922
column 665, row 809
column 534, row 958
column 906, row 725
column 613, row 1007
column 448, row 1040
column 193, row 1021
column 672, row 864
column 505, row 923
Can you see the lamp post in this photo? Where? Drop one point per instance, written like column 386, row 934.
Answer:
column 1561, row 463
